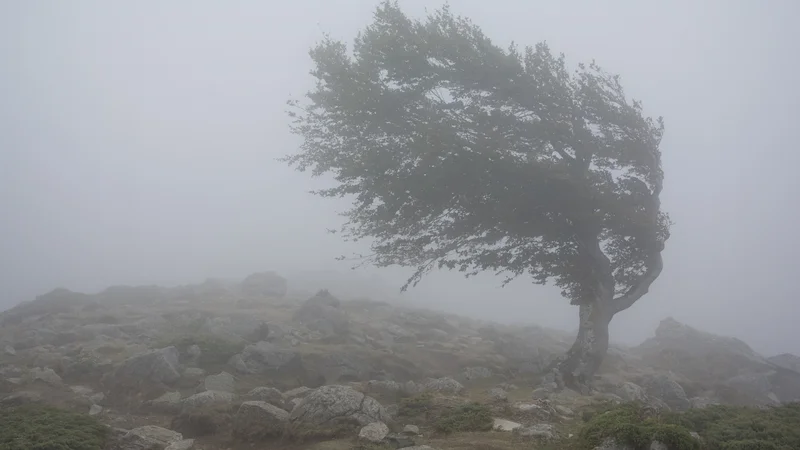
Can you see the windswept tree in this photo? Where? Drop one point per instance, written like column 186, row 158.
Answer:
column 460, row 154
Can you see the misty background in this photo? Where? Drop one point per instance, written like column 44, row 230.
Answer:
column 138, row 144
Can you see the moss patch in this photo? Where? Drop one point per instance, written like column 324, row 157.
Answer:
column 469, row 417
column 36, row 427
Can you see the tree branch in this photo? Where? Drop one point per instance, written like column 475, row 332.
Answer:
column 636, row 292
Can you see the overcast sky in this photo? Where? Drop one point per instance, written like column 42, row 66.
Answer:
column 138, row 144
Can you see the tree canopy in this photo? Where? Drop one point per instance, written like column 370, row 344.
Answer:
column 464, row 155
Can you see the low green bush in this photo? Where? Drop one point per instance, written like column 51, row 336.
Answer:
column 469, row 417
column 37, row 427
column 416, row 405
column 719, row 427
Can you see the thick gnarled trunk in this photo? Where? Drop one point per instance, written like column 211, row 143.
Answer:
column 587, row 353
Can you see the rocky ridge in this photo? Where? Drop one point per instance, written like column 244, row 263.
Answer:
column 211, row 365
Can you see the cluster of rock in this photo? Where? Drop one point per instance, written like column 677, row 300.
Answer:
column 328, row 365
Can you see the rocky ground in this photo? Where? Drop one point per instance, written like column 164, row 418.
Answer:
column 241, row 366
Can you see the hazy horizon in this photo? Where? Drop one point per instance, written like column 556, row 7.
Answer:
column 138, row 145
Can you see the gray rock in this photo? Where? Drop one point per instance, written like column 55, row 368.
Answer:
column 256, row 420
column 541, row 393
column 321, row 313
column 476, row 373
column 207, row 398
column 505, row 425
column 611, row 444
column 631, row 392
column 21, row 398
column 539, row 431
column 299, row 392
column 264, row 284
column 237, row 362
column 46, row 375
column 498, row 394
column 374, row 432
column 95, row 410
column 657, row 445
column 194, row 373
column 564, row 411
column 269, row 395
column 185, row 444
column 411, row 429
column 170, row 402
column 329, row 403
column 157, row 366
column 148, row 437
column 445, row 385
column 663, row 387
column 265, row 357
column 9, row 350
column 194, row 352
column 383, row 387
column 221, row 382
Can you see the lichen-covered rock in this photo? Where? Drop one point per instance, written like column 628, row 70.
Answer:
column 207, row 398
column 322, row 313
column 157, row 366
column 257, row 420
column 497, row 394
column 539, row 431
column 221, row 382
column 445, row 385
column 631, row 392
column 663, row 387
column 476, row 373
column 374, row 432
column 46, row 375
column 148, row 437
column 266, row 357
column 267, row 394
column 170, row 402
column 331, row 408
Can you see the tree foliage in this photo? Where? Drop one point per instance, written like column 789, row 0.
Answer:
column 464, row 155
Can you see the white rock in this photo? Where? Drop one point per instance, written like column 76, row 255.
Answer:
column 505, row 425
column 374, row 432
column 185, row 444
column 95, row 410
column 411, row 429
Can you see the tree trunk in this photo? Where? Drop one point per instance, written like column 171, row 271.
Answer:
column 587, row 353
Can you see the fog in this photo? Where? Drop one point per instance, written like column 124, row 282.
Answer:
column 138, row 145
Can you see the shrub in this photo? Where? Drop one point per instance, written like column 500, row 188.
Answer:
column 416, row 405
column 37, row 427
column 633, row 425
column 469, row 417
column 720, row 428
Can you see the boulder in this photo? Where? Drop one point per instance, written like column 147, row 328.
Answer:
column 157, row 366
column 334, row 407
column 47, row 375
column 207, row 398
column 476, row 373
column 265, row 357
column 264, row 284
column 374, row 432
column 497, row 394
column 170, row 402
column 322, row 313
column 444, row 385
column 664, row 387
column 257, row 420
column 148, row 437
column 631, row 392
column 267, row 394
column 221, row 382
